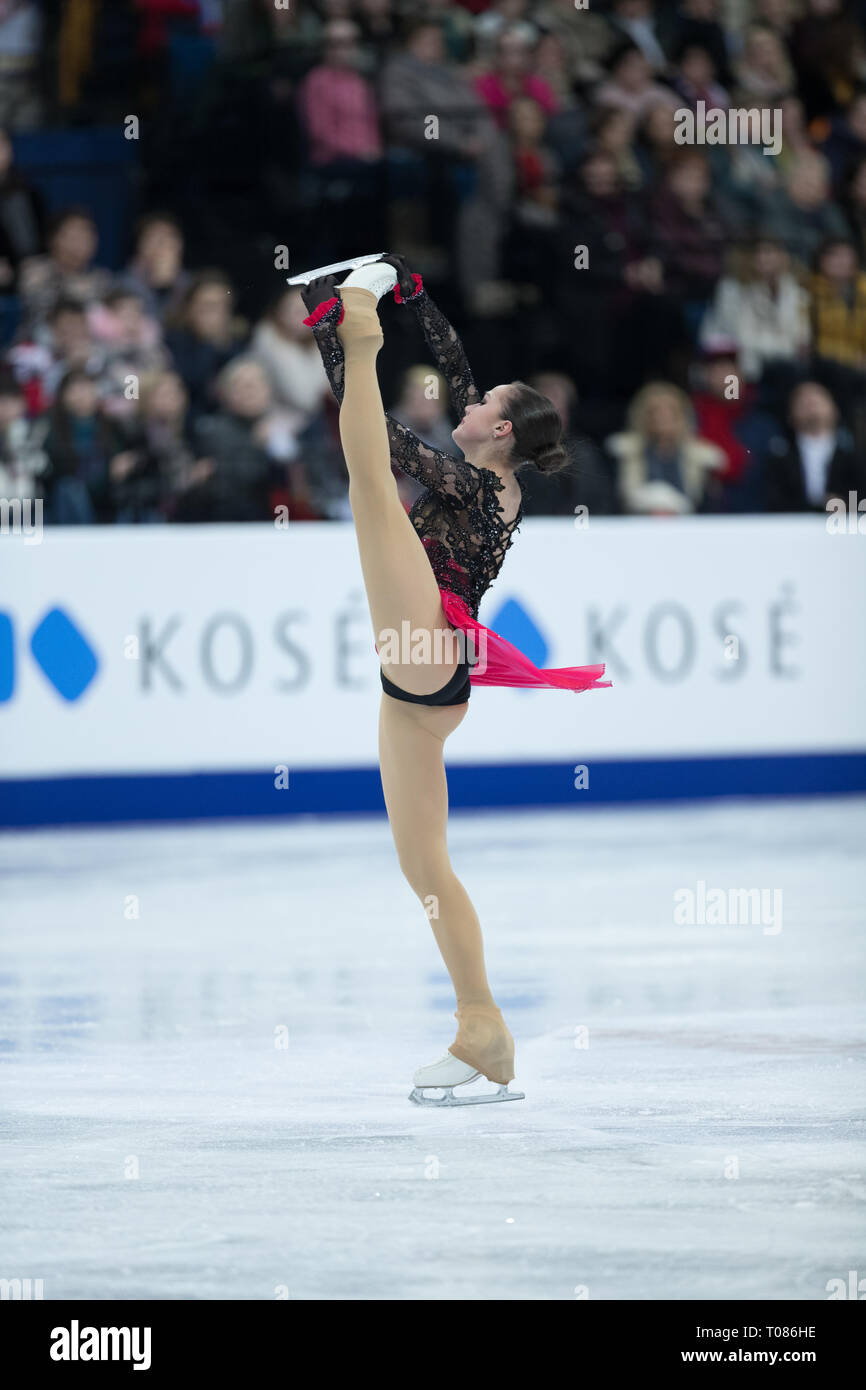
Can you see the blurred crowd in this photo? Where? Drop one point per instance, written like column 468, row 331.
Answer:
column 696, row 311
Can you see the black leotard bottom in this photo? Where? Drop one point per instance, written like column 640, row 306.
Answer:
column 455, row 692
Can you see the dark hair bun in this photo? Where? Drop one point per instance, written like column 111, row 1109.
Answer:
column 537, row 429
column 550, row 458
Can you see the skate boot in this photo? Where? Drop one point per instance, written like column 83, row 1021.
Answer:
column 334, row 269
column 483, row 1047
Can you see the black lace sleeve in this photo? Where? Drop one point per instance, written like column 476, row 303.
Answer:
column 447, row 350
column 439, row 472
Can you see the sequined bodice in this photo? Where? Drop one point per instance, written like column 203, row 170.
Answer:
column 458, row 518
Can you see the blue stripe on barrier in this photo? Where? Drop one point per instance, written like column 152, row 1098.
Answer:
column 345, row 791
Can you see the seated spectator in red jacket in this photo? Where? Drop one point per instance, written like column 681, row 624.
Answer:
column 513, row 75
column 729, row 415
column 816, row 460
column 337, row 105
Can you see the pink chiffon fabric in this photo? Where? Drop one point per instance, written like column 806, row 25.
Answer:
column 500, row 663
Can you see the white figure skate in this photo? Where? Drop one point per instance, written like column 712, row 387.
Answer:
column 449, row 1072
column 352, row 264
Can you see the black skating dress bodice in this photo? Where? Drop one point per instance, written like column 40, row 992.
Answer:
column 458, row 517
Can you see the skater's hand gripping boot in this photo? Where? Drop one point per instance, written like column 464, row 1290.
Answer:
column 318, row 291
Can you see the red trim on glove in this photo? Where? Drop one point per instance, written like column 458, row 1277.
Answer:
column 325, row 308
column 419, row 285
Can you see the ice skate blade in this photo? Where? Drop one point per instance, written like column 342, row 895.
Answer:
column 419, row 1098
column 353, row 264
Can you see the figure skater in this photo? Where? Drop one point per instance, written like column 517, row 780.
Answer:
column 425, row 573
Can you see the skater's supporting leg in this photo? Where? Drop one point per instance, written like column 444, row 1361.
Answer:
column 400, row 584
column 411, row 741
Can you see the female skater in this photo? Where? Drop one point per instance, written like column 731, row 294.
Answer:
column 428, row 571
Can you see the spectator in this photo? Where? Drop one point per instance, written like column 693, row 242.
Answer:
column 536, row 184
column 855, row 207
column 65, row 272
column 513, row 75
column 695, row 78
column 587, row 481
column 763, row 72
column 691, row 233
column 802, row 215
column 422, row 407
column 156, row 270
column 253, row 449
column 418, row 81
column 501, row 16
column 662, row 466
column 827, row 51
column 845, row 143
column 69, row 343
column 22, row 457
column 697, row 21
column 337, row 104
column 20, row 36
column 165, row 445
column 838, row 305
column 798, row 147
column 613, row 132
column 635, row 21
column 656, row 149
column 21, row 218
column 816, row 459
column 377, row 24
column 287, row 350
column 586, row 37
column 133, row 345
column 764, row 310
column 728, row 415
column 630, row 85
column 206, row 336
column 87, row 457
column 457, row 27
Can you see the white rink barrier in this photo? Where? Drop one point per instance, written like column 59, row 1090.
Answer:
column 229, row 670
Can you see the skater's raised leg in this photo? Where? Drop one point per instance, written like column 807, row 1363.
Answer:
column 400, row 583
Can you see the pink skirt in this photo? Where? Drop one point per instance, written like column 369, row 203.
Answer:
column 500, row 663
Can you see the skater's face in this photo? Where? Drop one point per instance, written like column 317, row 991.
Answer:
column 486, row 423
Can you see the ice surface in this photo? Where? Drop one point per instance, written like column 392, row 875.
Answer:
column 151, row 1042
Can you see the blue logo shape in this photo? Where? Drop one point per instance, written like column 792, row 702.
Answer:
column 513, row 623
column 64, row 655
column 7, row 658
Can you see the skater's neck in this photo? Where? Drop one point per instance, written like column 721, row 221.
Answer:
column 492, row 460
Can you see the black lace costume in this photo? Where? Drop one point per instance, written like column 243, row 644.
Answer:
column 458, row 517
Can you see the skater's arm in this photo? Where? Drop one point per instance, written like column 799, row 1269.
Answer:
column 448, row 477
column 324, row 306
column 442, row 340
column 437, row 471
